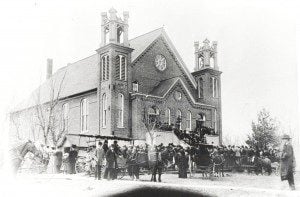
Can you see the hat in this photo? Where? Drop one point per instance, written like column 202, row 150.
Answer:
column 285, row 136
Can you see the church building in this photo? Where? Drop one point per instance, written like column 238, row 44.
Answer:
column 128, row 83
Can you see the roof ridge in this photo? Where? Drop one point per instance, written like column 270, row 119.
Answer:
column 146, row 33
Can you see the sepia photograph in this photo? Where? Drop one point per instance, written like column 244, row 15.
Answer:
column 150, row 98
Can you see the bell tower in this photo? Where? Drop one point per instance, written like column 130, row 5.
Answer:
column 208, row 78
column 115, row 80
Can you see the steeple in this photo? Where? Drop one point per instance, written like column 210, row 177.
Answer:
column 114, row 29
column 206, row 55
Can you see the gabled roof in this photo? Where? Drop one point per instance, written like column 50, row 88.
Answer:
column 163, row 87
column 82, row 76
column 141, row 43
column 161, row 92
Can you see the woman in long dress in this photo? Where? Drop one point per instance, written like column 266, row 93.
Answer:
column 51, row 164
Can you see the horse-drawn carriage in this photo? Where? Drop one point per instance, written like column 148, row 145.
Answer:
column 206, row 161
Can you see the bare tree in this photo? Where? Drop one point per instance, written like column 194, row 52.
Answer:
column 47, row 118
column 151, row 122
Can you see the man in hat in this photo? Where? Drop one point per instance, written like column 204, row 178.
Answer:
column 100, row 156
column 287, row 161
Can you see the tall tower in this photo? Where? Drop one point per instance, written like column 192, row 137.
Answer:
column 115, row 75
column 208, row 78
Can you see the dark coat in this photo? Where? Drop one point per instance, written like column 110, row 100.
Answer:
column 110, row 159
column 182, row 165
column 286, row 161
column 73, row 156
column 58, row 158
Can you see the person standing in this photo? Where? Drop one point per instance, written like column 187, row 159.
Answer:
column 72, row 159
column 110, row 163
column 58, row 159
column 182, row 164
column 287, row 161
column 100, row 156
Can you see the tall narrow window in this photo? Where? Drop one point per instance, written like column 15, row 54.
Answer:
column 65, row 116
column 200, row 88
column 215, row 120
column 121, row 67
column 189, row 121
column 84, row 115
column 105, row 67
column 168, row 116
column 179, row 118
column 104, row 110
column 214, row 86
column 121, row 110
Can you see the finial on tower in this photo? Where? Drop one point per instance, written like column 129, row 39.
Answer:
column 112, row 14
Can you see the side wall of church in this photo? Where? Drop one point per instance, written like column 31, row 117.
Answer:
column 25, row 124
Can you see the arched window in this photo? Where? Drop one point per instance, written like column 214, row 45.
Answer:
column 120, row 35
column 200, row 88
column 179, row 118
column 168, row 116
column 84, row 115
column 214, row 86
column 201, row 62
column 211, row 62
column 65, row 116
column 189, row 121
column 121, row 67
column 105, row 67
column 104, row 110
column 215, row 121
column 121, row 110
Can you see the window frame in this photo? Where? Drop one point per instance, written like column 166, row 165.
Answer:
column 65, row 116
column 104, row 110
column 121, row 99
column 189, row 121
column 84, row 113
column 179, row 114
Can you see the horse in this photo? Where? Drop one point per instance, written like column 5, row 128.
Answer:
column 261, row 164
column 218, row 164
column 18, row 153
column 154, row 160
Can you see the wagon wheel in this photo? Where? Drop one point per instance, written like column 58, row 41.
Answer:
column 121, row 173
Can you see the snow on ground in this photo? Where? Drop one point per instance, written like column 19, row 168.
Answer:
column 79, row 185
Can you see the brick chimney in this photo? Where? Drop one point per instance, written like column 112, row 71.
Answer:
column 49, row 68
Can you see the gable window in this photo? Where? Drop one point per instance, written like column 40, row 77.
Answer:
column 168, row 116
column 214, row 87
column 179, row 118
column 121, row 110
column 104, row 111
column 84, row 115
column 65, row 116
column 121, row 67
column 200, row 88
column 105, row 67
column 189, row 121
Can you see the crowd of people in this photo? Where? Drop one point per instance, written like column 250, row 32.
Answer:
column 110, row 158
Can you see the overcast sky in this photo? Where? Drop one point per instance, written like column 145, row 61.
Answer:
column 258, row 42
